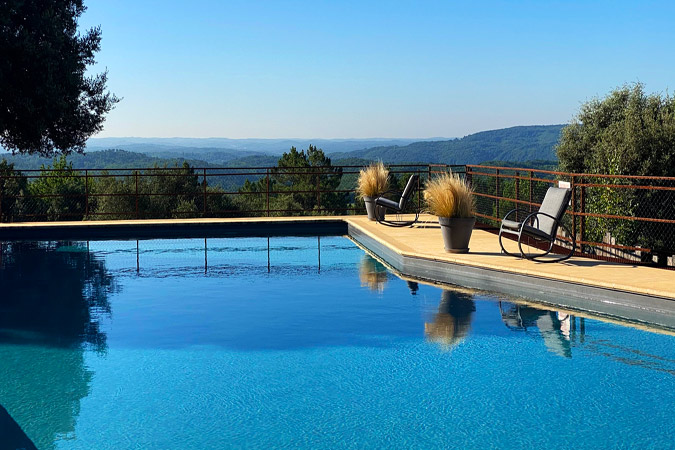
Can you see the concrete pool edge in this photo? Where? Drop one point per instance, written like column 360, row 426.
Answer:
column 175, row 229
column 568, row 294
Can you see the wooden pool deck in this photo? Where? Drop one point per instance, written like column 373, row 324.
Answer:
column 625, row 290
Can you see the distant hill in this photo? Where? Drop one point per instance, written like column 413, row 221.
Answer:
column 109, row 159
column 195, row 147
column 525, row 143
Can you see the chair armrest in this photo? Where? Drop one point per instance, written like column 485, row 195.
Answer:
column 538, row 213
column 513, row 211
column 391, row 191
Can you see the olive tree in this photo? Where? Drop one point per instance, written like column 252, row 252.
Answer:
column 628, row 132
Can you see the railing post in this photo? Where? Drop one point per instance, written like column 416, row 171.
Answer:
column 136, row 178
column 497, row 194
column 517, row 205
column 318, row 193
column 582, row 221
column 419, row 191
column 574, row 209
column 268, row 192
column 530, row 195
column 204, row 214
column 86, row 193
column 2, row 187
column 468, row 175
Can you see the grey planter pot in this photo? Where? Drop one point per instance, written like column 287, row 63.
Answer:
column 456, row 233
column 373, row 210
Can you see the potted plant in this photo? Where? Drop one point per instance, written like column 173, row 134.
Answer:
column 451, row 199
column 373, row 182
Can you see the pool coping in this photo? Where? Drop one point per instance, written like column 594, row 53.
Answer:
column 566, row 293
column 551, row 290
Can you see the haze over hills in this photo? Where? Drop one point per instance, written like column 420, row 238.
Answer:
column 515, row 145
column 241, row 147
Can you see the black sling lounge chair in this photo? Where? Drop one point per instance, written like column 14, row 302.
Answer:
column 397, row 208
column 542, row 226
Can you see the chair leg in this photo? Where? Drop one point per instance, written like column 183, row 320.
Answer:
column 552, row 243
column 502, row 245
column 400, row 223
column 534, row 258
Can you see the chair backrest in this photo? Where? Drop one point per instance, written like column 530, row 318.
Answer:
column 408, row 191
column 554, row 204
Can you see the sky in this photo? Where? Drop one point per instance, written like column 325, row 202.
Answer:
column 366, row 69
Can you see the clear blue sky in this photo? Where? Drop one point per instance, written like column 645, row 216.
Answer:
column 338, row 69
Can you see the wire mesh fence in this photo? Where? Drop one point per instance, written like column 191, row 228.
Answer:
column 611, row 217
column 186, row 192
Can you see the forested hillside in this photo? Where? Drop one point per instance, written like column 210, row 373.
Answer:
column 510, row 144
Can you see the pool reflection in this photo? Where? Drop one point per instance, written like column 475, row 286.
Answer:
column 452, row 322
column 52, row 298
column 555, row 327
column 372, row 273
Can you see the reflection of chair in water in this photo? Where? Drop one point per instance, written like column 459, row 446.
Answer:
column 553, row 326
column 372, row 273
column 413, row 286
column 452, row 322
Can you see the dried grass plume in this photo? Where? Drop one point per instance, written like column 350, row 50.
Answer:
column 373, row 180
column 448, row 195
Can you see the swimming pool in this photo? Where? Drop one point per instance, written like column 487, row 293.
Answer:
column 306, row 342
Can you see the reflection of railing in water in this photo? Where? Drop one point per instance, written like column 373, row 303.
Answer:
column 206, row 255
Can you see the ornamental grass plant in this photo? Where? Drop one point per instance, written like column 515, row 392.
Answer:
column 448, row 195
column 373, row 180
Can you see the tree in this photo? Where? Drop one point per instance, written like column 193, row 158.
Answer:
column 163, row 192
column 305, row 183
column 59, row 193
column 628, row 132
column 13, row 189
column 49, row 105
column 311, row 171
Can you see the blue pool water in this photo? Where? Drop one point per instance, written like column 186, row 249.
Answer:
column 306, row 343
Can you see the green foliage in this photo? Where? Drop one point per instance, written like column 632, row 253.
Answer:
column 297, row 185
column 49, row 105
column 509, row 144
column 13, row 188
column 629, row 132
column 59, row 192
column 159, row 193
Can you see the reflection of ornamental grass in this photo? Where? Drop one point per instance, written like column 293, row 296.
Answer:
column 373, row 180
column 446, row 330
column 452, row 323
column 449, row 195
column 372, row 274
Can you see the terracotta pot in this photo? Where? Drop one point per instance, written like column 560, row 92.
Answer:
column 374, row 212
column 456, row 233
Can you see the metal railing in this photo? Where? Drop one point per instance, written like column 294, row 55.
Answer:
column 612, row 217
column 182, row 192
column 623, row 218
